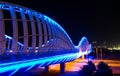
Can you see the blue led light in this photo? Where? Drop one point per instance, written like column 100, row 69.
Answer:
column 30, row 63
column 14, row 71
column 55, row 23
column 26, row 63
column 81, row 41
column 8, row 37
column 30, row 67
column 16, row 66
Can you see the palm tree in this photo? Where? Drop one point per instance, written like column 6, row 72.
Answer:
column 103, row 70
column 88, row 70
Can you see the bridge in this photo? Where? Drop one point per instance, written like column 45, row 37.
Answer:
column 30, row 39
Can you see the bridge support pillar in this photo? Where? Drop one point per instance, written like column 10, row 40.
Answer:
column 47, row 68
column 83, row 57
column 62, row 67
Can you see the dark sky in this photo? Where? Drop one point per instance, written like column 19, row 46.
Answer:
column 95, row 20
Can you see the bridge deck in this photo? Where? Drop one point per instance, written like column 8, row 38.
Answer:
column 9, row 57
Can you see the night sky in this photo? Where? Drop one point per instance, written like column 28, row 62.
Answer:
column 96, row 20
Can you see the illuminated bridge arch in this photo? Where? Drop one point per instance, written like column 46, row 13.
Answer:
column 30, row 39
column 30, row 28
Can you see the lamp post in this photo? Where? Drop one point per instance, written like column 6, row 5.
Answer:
column 97, row 53
column 101, row 53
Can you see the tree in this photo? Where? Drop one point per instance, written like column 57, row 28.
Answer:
column 103, row 70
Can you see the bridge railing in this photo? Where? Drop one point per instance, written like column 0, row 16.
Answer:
column 8, row 56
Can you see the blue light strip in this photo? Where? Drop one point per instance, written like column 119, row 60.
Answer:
column 6, row 36
column 5, row 67
column 30, row 63
column 30, row 67
column 14, row 71
column 81, row 41
column 55, row 23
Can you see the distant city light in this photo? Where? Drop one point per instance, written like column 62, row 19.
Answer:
column 11, row 51
column 36, row 51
